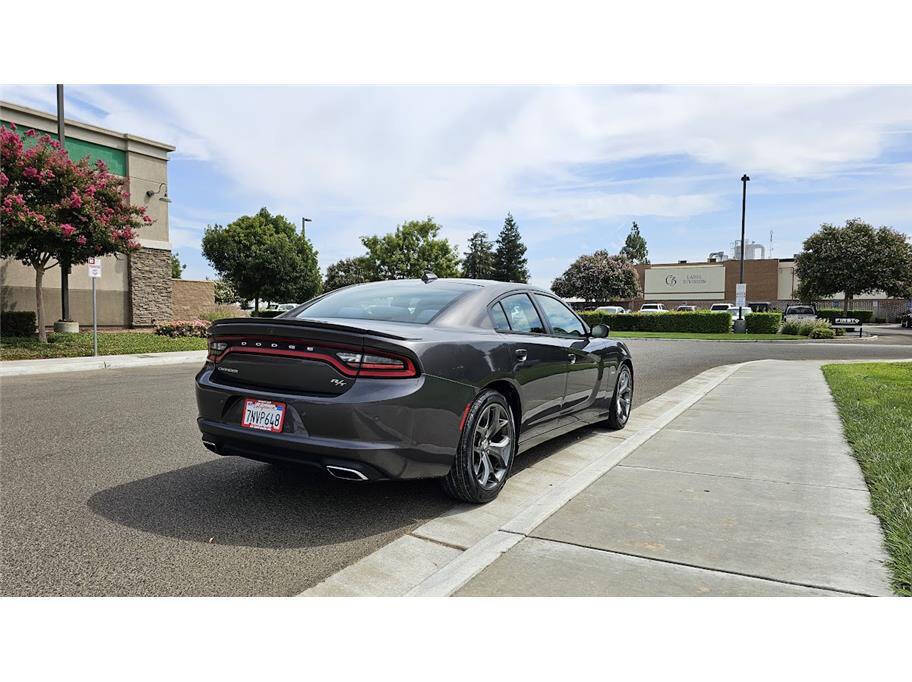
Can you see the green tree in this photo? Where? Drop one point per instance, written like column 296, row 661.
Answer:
column 349, row 271
column 411, row 250
column 510, row 264
column 598, row 277
column 263, row 257
column 854, row 259
column 177, row 268
column 479, row 259
column 635, row 246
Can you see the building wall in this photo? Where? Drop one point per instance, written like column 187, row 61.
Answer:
column 144, row 164
column 190, row 298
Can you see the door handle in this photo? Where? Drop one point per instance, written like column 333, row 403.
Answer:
column 572, row 358
column 521, row 354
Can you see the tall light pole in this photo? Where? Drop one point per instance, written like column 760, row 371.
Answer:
column 64, row 267
column 744, row 180
column 304, row 222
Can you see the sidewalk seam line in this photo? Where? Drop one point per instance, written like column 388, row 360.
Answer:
column 703, row 568
column 740, row 478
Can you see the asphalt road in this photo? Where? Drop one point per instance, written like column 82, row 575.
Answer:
column 106, row 489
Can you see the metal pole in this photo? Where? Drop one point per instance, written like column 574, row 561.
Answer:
column 94, row 320
column 304, row 222
column 744, row 181
column 64, row 267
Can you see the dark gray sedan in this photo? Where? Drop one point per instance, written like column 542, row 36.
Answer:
column 444, row 378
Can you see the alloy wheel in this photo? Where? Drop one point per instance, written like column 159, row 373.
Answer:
column 492, row 446
column 624, row 395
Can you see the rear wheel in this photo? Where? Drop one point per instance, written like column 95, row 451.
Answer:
column 485, row 454
column 622, row 400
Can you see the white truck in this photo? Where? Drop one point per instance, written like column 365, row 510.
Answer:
column 799, row 313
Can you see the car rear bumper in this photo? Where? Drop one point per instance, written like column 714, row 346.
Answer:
column 380, row 428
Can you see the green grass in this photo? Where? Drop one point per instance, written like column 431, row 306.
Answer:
column 109, row 343
column 707, row 337
column 875, row 403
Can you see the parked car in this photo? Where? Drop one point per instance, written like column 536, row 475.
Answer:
column 686, row 308
column 799, row 313
column 410, row 379
column 653, row 308
column 611, row 309
column 905, row 320
column 730, row 309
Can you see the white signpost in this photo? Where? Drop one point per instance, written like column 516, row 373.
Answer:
column 741, row 295
column 94, row 265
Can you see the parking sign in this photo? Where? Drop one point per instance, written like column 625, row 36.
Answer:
column 740, row 295
column 94, row 267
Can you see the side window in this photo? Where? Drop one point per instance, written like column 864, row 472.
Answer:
column 562, row 319
column 500, row 318
column 522, row 314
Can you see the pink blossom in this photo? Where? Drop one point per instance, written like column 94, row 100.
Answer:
column 81, row 240
column 30, row 173
column 30, row 133
column 75, row 200
column 4, row 181
column 67, row 229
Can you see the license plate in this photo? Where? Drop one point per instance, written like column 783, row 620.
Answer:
column 264, row 415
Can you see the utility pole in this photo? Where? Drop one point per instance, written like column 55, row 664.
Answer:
column 741, row 323
column 304, row 222
column 64, row 267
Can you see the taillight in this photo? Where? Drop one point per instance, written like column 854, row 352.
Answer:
column 215, row 349
column 375, row 365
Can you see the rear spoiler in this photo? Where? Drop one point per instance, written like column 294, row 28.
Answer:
column 275, row 325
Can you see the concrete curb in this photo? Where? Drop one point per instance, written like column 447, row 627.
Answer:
column 469, row 559
column 14, row 368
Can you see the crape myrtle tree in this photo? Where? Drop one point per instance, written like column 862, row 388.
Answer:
column 634, row 248
column 854, row 259
column 598, row 277
column 264, row 258
column 510, row 264
column 479, row 259
column 410, row 251
column 57, row 212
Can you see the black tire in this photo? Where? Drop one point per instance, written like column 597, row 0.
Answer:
column 617, row 414
column 462, row 482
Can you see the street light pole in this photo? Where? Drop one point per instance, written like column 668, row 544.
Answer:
column 304, row 222
column 744, row 180
column 64, row 267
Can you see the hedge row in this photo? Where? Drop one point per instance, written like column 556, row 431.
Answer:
column 179, row 328
column 701, row 322
column 864, row 316
column 762, row 323
column 18, row 323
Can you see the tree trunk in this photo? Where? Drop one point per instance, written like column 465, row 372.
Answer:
column 256, row 305
column 846, row 300
column 39, row 304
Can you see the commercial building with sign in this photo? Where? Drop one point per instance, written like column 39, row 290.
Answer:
column 769, row 280
column 133, row 290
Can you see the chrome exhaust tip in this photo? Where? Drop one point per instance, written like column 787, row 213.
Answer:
column 211, row 446
column 345, row 473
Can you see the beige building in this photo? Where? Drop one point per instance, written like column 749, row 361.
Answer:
column 134, row 290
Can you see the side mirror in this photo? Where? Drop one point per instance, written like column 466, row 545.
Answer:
column 600, row 331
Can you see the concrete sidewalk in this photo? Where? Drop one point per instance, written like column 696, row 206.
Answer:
column 750, row 491
column 736, row 482
column 14, row 368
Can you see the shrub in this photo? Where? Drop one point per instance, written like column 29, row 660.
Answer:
column 179, row 328
column 762, row 323
column 809, row 328
column 822, row 333
column 701, row 322
column 223, row 312
column 864, row 316
column 17, row 323
column 792, row 328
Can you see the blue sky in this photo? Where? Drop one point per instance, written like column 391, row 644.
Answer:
column 575, row 165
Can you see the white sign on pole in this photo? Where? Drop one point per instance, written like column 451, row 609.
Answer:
column 740, row 295
column 94, row 267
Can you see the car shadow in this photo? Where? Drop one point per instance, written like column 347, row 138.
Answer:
column 237, row 502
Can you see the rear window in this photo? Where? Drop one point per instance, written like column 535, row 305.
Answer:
column 395, row 301
column 799, row 310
